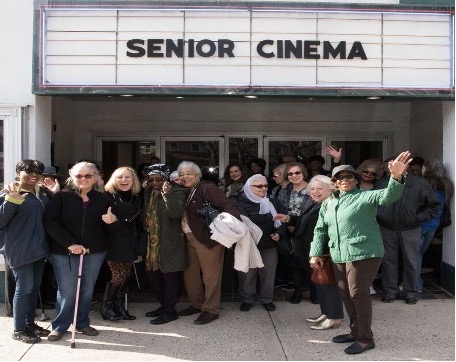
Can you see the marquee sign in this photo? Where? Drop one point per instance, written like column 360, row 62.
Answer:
column 118, row 48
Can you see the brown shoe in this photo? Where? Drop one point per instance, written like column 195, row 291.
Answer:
column 88, row 331
column 189, row 311
column 205, row 318
column 55, row 336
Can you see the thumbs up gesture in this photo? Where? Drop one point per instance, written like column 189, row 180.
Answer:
column 109, row 217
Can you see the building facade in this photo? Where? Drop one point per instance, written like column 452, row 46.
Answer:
column 119, row 82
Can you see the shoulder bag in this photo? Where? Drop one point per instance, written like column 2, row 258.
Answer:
column 208, row 212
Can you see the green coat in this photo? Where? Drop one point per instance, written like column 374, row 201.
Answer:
column 349, row 221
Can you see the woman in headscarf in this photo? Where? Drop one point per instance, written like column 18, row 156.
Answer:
column 166, row 248
column 254, row 204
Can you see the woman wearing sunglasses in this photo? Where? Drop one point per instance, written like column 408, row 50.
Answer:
column 370, row 171
column 296, row 203
column 347, row 223
column 24, row 243
column 255, row 204
column 75, row 221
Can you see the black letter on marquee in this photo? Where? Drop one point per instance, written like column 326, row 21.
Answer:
column 310, row 46
column 279, row 48
column 132, row 44
column 225, row 46
column 292, row 48
column 171, row 47
column 340, row 49
column 260, row 46
column 199, row 48
column 151, row 48
column 357, row 50
column 191, row 48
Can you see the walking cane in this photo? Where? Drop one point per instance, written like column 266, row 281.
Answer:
column 73, row 332
column 44, row 317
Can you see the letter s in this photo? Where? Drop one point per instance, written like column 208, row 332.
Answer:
column 133, row 44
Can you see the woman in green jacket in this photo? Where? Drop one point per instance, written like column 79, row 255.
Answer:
column 347, row 224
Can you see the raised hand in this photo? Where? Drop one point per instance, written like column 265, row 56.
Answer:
column 51, row 184
column 335, row 154
column 109, row 217
column 15, row 194
column 399, row 165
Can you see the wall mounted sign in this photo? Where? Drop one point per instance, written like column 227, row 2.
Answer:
column 150, row 48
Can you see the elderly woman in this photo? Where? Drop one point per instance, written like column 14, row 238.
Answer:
column 166, row 258
column 370, row 170
column 123, row 189
column 25, row 246
column 254, row 204
column 203, row 277
column 348, row 220
column 74, row 220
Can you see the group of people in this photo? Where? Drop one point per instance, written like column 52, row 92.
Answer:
column 301, row 214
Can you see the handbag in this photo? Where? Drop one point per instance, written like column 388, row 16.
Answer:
column 208, row 212
column 325, row 275
column 445, row 219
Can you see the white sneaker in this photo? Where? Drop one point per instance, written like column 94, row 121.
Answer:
column 372, row 290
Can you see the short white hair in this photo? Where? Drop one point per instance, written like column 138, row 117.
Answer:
column 191, row 165
column 325, row 180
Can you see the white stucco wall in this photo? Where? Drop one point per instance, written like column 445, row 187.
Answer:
column 448, row 252
column 16, row 43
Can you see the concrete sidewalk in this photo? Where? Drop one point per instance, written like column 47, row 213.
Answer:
column 424, row 331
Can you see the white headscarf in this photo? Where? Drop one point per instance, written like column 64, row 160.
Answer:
column 266, row 206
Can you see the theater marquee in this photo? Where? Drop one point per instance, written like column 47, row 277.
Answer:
column 109, row 49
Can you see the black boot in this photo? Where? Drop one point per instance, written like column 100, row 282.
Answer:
column 120, row 303
column 108, row 308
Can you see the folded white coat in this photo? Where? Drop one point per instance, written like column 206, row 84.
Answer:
column 228, row 230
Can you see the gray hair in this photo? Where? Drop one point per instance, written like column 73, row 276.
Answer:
column 174, row 175
column 191, row 165
column 320, row 178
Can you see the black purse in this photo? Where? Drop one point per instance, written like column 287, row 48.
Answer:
column 445, row 219
column 208, row 212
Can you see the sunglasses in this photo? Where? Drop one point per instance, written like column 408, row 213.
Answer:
column 366, row 172
column 296, row 173
column 87, row 176
column 348, row 176
column 260, row 186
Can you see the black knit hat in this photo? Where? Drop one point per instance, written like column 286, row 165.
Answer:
column 159, row 169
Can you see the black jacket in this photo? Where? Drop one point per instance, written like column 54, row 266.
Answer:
column 263, row 221
column 68, row 222
column 417, row 204
column 123, row 234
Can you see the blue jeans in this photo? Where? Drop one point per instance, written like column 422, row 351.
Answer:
column 425, row 241
column 28, row 282
column 66, row 273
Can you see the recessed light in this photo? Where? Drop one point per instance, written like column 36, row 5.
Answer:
column 180, row 97
column 126, row 95
column 251, row 97
column 373, row 98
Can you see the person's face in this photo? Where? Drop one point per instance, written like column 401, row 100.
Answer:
column 417, row 170
column 295, row 175
column 319, row 191
column 124, row 181
column 29, row 179
column 368, row 174
column 188, row 178
column 84, row 179
column 278, row 177
column 315, row 165
column 177, row 180
column 256, row 169
column 156, row 181
column 235, row 173
column 346, row 181
column 259, row 188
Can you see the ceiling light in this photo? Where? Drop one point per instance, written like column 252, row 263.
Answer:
column 373, row 98
column 251, row 97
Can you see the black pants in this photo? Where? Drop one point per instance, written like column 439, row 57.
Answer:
column 166, row 287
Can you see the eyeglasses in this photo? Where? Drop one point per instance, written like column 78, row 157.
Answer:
column 348, row 176
column 296, row 173
column 366, row 172
column 260, row 186
column 87, row 176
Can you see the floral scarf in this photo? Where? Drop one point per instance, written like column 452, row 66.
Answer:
column 153, row 232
